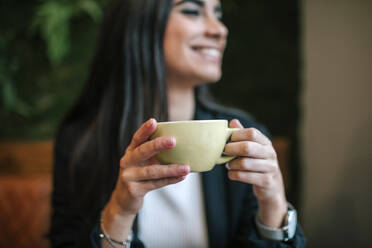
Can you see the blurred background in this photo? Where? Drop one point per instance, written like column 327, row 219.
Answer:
column 301, row 67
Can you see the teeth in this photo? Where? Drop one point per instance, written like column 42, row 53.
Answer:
column 211, row 52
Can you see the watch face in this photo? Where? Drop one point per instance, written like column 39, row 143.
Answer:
column 290, row 216
column 292, row 224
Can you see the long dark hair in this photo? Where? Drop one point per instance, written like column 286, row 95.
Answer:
column 126, row 86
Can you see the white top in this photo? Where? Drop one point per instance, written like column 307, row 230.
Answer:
column 174, row 216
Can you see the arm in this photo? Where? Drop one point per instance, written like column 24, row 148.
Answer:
column 257, row 165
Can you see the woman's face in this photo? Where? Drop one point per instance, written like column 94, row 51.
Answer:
column 194, row 41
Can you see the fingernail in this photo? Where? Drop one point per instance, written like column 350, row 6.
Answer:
column 150, row 122
column 185, row 168
column 170, row 142
column 238, row 123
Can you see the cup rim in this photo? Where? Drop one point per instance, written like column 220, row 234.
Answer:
column 191, row 121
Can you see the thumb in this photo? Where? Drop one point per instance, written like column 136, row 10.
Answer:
column 235, row 123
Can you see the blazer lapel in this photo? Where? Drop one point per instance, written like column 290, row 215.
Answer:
column 214, row 191
column 215, row 206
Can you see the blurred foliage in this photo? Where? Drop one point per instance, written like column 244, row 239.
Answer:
column 9, row 96
column 52, row 19
column 46, row 46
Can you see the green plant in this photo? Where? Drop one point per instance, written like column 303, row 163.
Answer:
column 11, row 101
column 43, row 62
column 53, row 19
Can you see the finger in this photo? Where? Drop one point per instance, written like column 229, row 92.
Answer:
column 149, row 149
column 140, row 188
column 235, row 123
column 264, row 180
column 153, row 160
column 250, row 134
column 156, row 184
column 151, row 172
column 249, row 149
column 143, row 133
column 252, row 165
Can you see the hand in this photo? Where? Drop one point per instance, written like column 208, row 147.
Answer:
column 140, row 172
column 257, row 164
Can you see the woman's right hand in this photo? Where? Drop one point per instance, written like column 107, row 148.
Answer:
column 140, row 172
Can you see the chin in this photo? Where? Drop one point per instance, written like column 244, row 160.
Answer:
column 210, row 76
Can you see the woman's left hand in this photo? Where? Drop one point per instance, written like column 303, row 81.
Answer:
column 257, row 164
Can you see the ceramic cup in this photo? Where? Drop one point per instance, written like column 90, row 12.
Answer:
column 199, row 144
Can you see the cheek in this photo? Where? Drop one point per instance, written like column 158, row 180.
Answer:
column 172, row 43
column 176, row 36
column 176, row 40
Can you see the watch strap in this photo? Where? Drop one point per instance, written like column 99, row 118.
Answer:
column 285, row 233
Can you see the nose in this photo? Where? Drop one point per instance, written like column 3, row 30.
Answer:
column 215, row 28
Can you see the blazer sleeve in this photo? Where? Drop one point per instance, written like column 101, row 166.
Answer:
column 65, row 227
column 246, row 234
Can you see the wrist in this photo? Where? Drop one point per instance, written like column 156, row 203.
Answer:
column 123, row 204
column 117, row 206
column 113, row 213
column 115, row 222
column 115, row 232
column 272, row 213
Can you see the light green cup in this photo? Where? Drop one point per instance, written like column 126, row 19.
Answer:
column 199, row 144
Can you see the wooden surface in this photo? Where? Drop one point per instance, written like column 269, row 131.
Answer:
column 24, row 211
column 26, row 158
column 25, row 191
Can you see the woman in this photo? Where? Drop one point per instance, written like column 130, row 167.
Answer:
column 153, row 60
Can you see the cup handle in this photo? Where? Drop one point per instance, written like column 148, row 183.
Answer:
column 223, row 159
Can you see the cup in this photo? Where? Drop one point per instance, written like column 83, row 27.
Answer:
column 199, row 144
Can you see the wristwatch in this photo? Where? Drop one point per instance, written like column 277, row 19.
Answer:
column 285, row 233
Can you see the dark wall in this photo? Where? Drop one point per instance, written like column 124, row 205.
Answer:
column 261, row 65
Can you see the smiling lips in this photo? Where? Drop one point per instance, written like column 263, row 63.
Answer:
column 210, row 53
